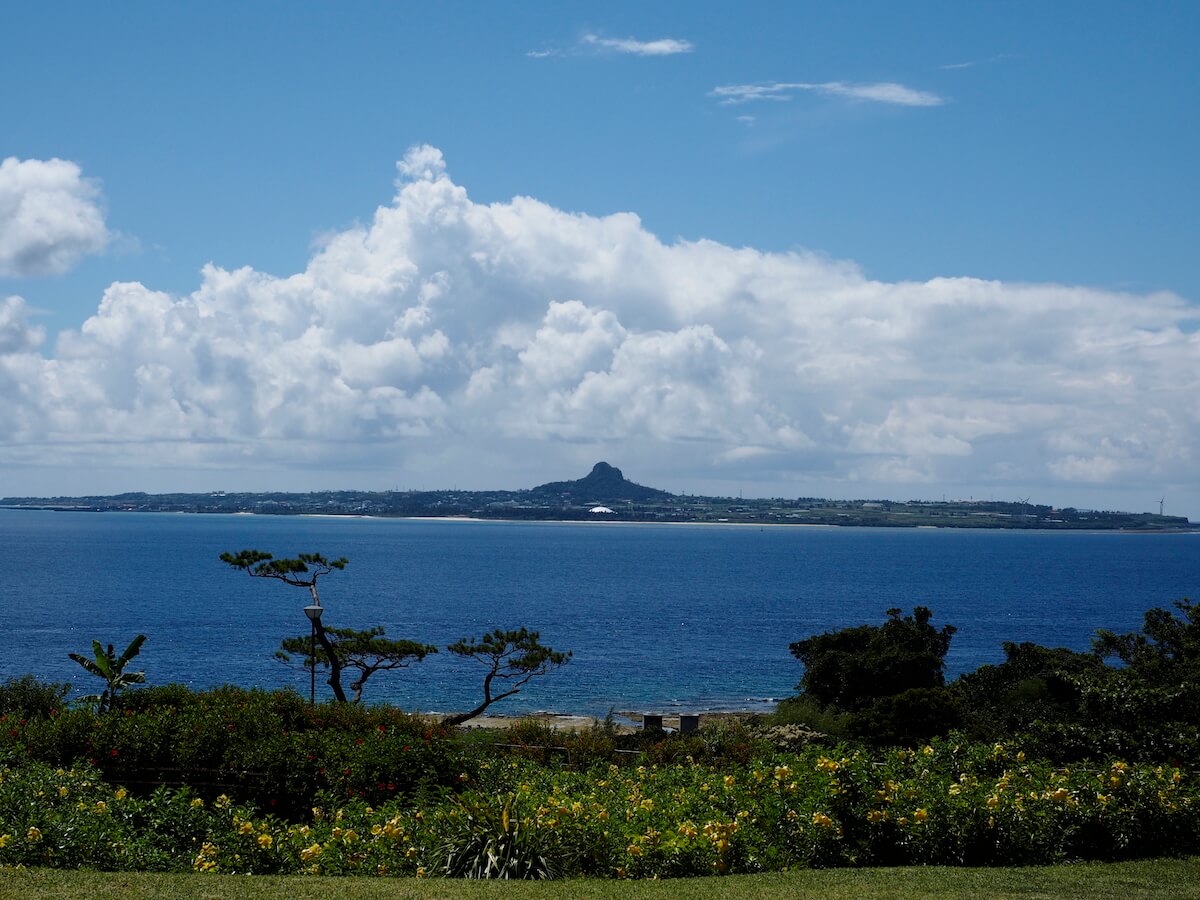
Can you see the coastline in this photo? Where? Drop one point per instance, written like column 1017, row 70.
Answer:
column 625, row 722
column 1192, row 530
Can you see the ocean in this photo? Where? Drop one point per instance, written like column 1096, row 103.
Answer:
column 660, row 618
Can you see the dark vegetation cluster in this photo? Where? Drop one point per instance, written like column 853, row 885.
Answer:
column 885, row 685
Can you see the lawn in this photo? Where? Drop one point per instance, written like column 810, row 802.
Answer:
column 1146, row 878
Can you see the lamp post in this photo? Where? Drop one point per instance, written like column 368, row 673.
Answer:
column 314, row 616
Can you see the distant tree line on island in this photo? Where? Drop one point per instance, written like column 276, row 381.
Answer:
column 606, row 488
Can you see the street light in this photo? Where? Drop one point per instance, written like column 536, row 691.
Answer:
column 314, row 616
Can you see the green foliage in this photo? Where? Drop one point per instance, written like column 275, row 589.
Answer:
column 1032, row 683
column 264, row 565
column 366, row 652
column 908, row 718
column 32, row 697
column 881, row 683
column 482, row 837
column 807, row 712
column 952, row 802
column 108, row 666
column 511, row 658
column 850, row 668
column 1165, row 651
column 271, row 748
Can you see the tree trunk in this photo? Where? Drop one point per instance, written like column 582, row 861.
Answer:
column 335, row 665
column 459, row 718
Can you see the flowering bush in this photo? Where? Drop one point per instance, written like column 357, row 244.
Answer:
column 949, row 803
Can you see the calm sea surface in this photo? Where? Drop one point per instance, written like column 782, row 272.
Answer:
column 659, row 617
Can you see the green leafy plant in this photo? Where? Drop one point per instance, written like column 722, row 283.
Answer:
column 486, row 839
column 111, row 668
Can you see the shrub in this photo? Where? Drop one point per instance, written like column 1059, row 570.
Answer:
column 28, row 696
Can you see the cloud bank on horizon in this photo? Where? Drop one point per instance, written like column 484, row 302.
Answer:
column 464, row 341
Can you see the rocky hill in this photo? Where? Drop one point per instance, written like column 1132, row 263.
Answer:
column 603, row 483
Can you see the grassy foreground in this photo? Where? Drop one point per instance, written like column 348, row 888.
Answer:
column 1145, row 878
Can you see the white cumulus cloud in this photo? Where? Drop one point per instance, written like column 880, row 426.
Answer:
column 504, row 344
column 50, row 217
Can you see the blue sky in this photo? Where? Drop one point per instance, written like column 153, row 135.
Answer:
column 1043, row 145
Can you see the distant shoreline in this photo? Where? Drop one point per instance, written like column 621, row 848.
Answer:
column 1194, row 529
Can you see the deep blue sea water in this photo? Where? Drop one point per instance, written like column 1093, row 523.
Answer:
column 659, row 617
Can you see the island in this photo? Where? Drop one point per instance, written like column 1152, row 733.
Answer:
column 604, row 494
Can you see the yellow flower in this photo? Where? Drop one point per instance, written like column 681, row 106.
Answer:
column 62, row 791
column 376, row 829
column 993, row 801
column 265, row 841
column 928, row 751
column 5, row 840
column 245, row 828
column 821, row 819
column 621, row 873
column 633, row 850
column 101, row 806
column 421, row 871
column 311, row 852
column 197, row 802
column 647, row 804
column 120, row 794
column 920, row 815
column 955, row 790
column 782, row 772
column 222, row 802
column 350, row 836
column 1021, row 756
column 876, row 815
column 34, row 834
column 826, row 764
column 1060, row 794
column 729, row 780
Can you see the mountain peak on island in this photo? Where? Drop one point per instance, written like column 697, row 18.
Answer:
column 604, row 482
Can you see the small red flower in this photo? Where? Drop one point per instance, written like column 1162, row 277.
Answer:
column 113, row 752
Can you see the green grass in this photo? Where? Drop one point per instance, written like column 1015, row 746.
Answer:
column 1147, row 878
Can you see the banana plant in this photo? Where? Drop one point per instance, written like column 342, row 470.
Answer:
column 111, row 668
